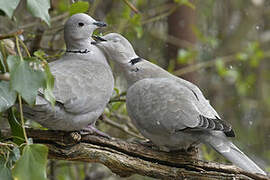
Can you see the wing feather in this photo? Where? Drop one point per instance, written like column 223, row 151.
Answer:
column 166, row 104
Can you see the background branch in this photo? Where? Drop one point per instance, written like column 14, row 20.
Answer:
column 5, row 77
column 11, row 35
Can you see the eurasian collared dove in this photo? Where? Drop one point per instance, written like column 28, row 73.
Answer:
column 168, row 110
column 83, row 81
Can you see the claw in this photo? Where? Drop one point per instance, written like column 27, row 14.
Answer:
column 94, row 131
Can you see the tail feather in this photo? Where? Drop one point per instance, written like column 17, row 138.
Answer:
column 226, row 148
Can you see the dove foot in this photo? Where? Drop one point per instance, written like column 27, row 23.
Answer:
column 94, row 131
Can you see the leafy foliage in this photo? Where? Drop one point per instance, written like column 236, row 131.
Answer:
column 27, row 77
column 78, row 7
column 16, row 127
column 39, row 8
column 5, row 172
column 32, row 164
column 48, row 91
column 7, row 159
column 9, row 6
column 8, row 96
column 185, row 2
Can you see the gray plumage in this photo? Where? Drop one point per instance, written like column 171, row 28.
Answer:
column 168, row 110
column 83, row 81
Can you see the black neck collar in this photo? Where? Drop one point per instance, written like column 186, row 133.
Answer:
column 78, row 51
column 135, row 60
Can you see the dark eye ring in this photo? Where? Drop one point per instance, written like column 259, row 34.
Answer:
column 80, row 24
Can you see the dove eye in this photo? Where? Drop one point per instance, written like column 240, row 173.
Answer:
column 81, row 24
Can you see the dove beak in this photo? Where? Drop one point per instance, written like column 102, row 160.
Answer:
column 97, row 39
column 100, row 24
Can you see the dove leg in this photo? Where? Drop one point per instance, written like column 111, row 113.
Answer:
column 90, row 129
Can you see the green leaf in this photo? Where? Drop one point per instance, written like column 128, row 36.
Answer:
column 48, row 92
column 16, row 128
column 116, row 105
column 40, row 9
column 136, row 25
column 15, row 155
column 171, row 66
column 7, row 96
column 9, row 6
column 63, row 6
column 78, row 7
column 32, row 164
column 117, row 91
column 5, row 173
column 26, row 77
column 126, row 12
column 186, row 3
column 139, row 31
column 40, row 54
column 184, row 56
column 241, row 56
column 221, row 67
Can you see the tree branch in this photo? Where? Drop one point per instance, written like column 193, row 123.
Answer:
column 5, row 77
column 127, row 158
column 210, row 63
column 122, row 127
column 131, row 6
column 11, row 35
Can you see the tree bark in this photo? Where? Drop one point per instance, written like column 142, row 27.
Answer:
column 127, row 158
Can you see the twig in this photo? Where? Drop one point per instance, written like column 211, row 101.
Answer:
column 52, row 170
column 5, row 77
column 56, row 18
column 19, row 96
column 25, row 48
column 18, row 48
column 22, row 120
column 11, row 35
column 126, row 119
column 122, row 127
column 131, row 6
column 6, row 144
column 161, row 16
column 117, row 100
column 201, row 65
column 94, row 7
column 35, row 45
column 172, row 40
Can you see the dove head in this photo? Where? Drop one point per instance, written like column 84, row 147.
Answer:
column 78, row 31
column 116, row 47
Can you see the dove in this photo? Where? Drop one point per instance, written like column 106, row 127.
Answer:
column 170, row 111
column 83, row 81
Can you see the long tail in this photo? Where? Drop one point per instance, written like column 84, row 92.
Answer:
column 226, row 148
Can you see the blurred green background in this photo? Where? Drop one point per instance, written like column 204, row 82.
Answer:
column 222, row 46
